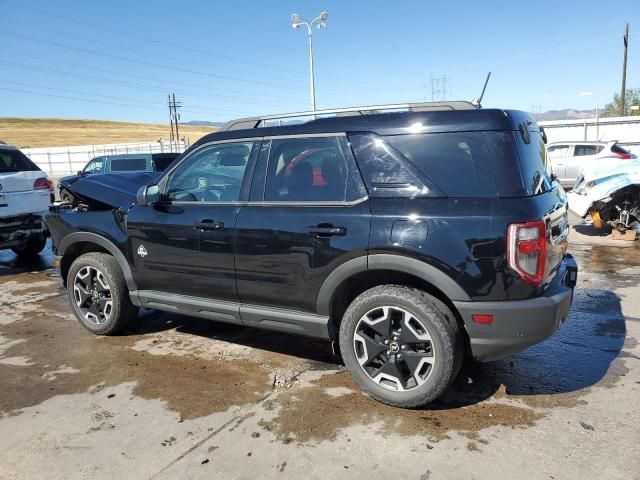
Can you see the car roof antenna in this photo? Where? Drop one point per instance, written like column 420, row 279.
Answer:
column 478, row 101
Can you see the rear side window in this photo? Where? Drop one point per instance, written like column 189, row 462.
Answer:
column 128, row 164
column 584, row 150
column 457, row 163
column 15, row 161
column 558, row 150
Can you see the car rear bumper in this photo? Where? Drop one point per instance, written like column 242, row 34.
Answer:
column 14, row 231
column 521, row 323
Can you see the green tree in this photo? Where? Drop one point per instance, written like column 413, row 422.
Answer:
column 632, row 97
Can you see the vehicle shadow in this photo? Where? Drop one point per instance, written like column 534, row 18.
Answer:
column 590, row 231
column 577, row 357
column 10, row 263
column 151, row 321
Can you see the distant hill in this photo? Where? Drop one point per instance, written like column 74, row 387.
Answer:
column 205, row 123
column 566, row 114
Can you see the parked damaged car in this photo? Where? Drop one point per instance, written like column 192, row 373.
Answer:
column 117, row 164
column 610, row 194
column 25, row 196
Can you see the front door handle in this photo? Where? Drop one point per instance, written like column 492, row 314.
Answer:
column 327, row 230
column 209, row 224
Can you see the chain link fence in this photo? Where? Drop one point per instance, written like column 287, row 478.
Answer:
column 66, row 160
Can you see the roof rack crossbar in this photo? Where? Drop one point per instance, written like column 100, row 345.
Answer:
column 255, row 122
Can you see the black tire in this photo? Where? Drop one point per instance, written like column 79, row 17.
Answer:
column 66, row 196
column 420, row 311
column 32, row 247
column 109, row 310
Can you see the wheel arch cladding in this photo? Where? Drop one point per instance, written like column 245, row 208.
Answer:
column 379, row 269
column 79, row 243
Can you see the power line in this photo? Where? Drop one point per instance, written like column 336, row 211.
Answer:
column 115, row 82
column 145, row 77
column 142, row 62
column 139, row 37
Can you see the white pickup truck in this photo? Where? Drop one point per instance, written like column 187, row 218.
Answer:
column 25, row 196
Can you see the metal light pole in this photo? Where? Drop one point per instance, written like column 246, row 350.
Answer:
column 297, row 22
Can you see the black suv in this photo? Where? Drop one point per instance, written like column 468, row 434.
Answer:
column 408, row 234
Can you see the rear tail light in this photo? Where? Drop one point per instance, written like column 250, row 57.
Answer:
column 623, row 156
column 526, row 250
column 43, row 183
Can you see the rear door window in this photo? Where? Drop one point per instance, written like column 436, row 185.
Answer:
column 457, row 163
column 309, row 169
column 15, row 161
column 584, row 150
column 128, row 164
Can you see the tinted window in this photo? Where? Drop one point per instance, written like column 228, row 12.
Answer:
column 457, row 163
column 534, row 163
column 583, row 150
column 213, row 174
column 307, row 169
column 385, row 171
column 15, row 161
column 162, row 160
column 128, row 164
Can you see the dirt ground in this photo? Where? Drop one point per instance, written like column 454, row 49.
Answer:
column 55, row 132
column 177, row 397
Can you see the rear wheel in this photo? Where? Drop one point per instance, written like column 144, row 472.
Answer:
column 33, row 246
column 399, row 346
column 98, row 293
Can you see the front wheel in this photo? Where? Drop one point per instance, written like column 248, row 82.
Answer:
column 398, row 346
column 98, row 293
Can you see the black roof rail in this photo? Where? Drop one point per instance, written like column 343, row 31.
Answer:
column 257, row 122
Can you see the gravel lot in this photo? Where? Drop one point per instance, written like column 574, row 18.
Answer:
column 177, row 397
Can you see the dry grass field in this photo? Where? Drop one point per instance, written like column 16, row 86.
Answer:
column 52, row 132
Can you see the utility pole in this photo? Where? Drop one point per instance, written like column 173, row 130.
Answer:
column 176, row 116
column 170, row 120
column 623, row 99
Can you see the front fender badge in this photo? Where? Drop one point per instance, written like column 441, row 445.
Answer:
column 142, row 251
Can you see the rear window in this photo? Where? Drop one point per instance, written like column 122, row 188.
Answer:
column 129, row 165
column 585, row 150
column 534, row 163
column 15, row 161
column 457, row 163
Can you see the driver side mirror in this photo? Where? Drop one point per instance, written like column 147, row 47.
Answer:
column 148, row 195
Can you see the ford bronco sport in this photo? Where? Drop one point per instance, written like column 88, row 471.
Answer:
column 409, row 234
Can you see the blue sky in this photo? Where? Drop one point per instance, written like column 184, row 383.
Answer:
column 118, row 59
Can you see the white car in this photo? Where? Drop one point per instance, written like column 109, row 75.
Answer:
column 569, row 158
column 25, row 196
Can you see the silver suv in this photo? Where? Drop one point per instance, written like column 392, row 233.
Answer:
column 569, row 158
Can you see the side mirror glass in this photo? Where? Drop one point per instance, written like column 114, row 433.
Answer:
column 148, row 195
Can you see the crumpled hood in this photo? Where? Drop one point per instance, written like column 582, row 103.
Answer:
column 599, row 182
column 111, row 189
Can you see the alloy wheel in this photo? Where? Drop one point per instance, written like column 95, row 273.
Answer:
column 394, row 348
column 92, row 294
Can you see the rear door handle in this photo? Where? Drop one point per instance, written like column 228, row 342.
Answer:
column 326, row 230
column 208, row 224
